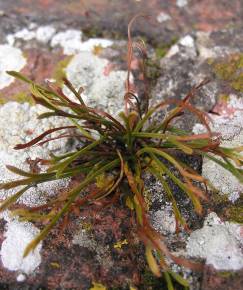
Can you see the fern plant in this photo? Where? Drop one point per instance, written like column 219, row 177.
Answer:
column 124, row 148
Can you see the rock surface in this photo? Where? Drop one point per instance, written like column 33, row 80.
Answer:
column 86, row 41
column 219, row 243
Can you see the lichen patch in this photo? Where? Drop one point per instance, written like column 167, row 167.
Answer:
column 11, row 58
column 100, row 90
column 219, row 243
column 17, row 237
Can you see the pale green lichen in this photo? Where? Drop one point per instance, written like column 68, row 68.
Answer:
column 2, row 101
column 21, row 97
column 59, row 72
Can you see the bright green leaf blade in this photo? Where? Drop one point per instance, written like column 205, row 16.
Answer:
column 19, row 76
column 168, row 281
column 62, row 165
column 81, row 129
column 191, row 195
column 179, row 279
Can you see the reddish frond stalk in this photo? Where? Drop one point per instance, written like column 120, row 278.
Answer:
column 40, row 137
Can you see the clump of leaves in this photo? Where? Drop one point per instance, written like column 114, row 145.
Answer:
column 123, row 148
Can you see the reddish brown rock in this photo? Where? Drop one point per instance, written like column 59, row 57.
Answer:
column 102, row 17
column 215, row 280
column 41, row 65
column 71, row 266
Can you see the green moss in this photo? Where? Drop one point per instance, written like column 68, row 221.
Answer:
column 220, row 198
column 223, row 97
column 93, row 31
column 161, row 52
column 153, row 66
column 230, row 70
column 153, row 70
column 163, row 48
column 235, row 214
column 227, row 274
column 59, row 72
column 237, row 84
column 210, row 61
column 230, row 212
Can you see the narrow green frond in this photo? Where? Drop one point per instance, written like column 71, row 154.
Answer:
column 168, row 281
column 81, row 129
column 143, row 121
column 62, row 165
column 19, row 76
column 186, row 149
column 20, row 172
column 183, row 186
column 170, row 195
column 228, row 166
column 179, row 279
column 12, row 199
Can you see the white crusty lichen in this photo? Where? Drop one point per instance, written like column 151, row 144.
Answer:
column 70, row 40
column 187, row 41
column 219, row 243
column 17, row 237
column 231, row 130
column 162, row 17
column 23, row 126
column 163, row 220
column 185, row 47
column 181, row 3
column 11, row 58
column 19, row 124
column 84, row 239
column 101, row 90
column 42, row 34
column 45, row 33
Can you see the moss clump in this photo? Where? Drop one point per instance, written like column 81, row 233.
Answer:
column 237, row 84
column 235, row 213
column 93, row 31
column 148, row 198
column 162, row 48
column 223, row 207
column 160, row 52
column 223, row 98
column 153, row 71
column 230, row 70
column 227, row 274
